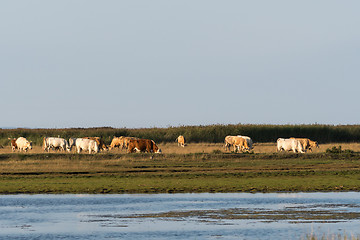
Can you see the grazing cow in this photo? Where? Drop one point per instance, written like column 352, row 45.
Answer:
column 248, row 140
column 180, row 140
column 13, row 144
column 100, row 142
column 143, row 145
column 127, row 140
column 313, row 144
column 87, row 145
column 240, row 143
column 55, row 143
column 289, row 145
column 307, row 144
column 229, row 141
column 117, row 142
column 23, row 144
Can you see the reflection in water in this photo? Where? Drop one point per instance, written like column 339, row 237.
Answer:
column 179, row 216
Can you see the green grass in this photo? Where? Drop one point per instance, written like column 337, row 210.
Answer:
column 171, row 173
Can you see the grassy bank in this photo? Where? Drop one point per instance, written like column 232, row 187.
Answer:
column 196, row 134
column 170, row 173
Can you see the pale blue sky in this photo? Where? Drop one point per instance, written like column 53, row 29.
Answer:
column 133, row 64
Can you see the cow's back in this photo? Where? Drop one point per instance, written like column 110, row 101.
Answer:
column 116, row 142
column 240, row 142
column 23, row 144
column 142, row 145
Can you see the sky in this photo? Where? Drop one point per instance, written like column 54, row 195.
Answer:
column 161, row 63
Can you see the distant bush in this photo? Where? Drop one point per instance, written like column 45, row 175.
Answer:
column 334, row 150
column 338, row 150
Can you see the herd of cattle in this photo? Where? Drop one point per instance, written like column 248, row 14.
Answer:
column 133, row 144
column 90, row 144
column 297, row 145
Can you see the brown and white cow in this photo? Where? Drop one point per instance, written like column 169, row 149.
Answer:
column 127, row 140
column 23, row 144
column 142, row 145
column 180, row 140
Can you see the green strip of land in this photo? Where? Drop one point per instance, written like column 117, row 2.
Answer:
column 173, row 173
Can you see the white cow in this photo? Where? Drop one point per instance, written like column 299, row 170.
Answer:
column 289, row 145
column 55, row 142
column 23, row 144
column 248, row 140
column 86, row 144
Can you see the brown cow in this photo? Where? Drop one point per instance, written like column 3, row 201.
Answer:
column 313, row 144
column 229, row 141
column 117, row 142
column 307, row 143
column 127, row 141
column 240, row 144
column 99, row 141
column 13, row 144
column 143, row 145
column 181, row 141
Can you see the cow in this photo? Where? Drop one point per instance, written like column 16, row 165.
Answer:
column 290, row 144
column 121, row 142
column 127, row 140
column 180, row 140
column 143, row 145
column 248, row 140
column 87, row 145
column 100, row 142
column 23, row 144
column 313, row 144
column 229, row 141
column 307, row 143
column 55, row 143
column 13, row 144
column 240, row 143
column 117, row 142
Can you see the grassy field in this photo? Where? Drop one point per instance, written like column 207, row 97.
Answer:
column 200, row 167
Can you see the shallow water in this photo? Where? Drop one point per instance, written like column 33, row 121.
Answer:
column 179, row 216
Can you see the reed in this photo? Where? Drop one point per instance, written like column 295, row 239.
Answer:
column 196, row 134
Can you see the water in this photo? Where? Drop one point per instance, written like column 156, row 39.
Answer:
column 179, row 216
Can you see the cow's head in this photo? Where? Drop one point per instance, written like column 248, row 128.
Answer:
column 313, row 144
column 105, row 148
column 156, row 149
column 68, row 148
